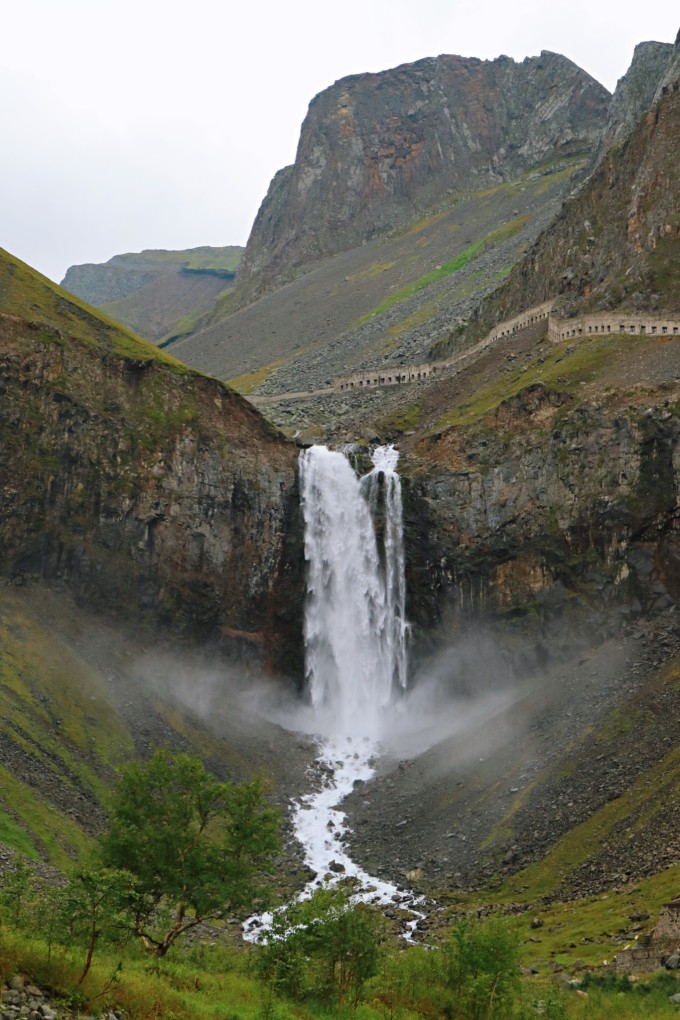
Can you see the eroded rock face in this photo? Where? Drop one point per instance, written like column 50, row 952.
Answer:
column 151, row 492
column 529, row 516
column 616, row 241
column 635, row 91
column 375, row 149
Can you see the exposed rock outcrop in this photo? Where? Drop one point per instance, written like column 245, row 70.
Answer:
column 616, row 241
column 635, row 92
column 149, row 490
column 539, row 503
column 375, row 149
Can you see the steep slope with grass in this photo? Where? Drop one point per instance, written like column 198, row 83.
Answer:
column 385, row 301
column 142, row 486
column 158, row 294
column 80, row 695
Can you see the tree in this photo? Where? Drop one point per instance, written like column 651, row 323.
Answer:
column 323, row 947
column 94, row 907
column 18, row 891
column 195, row 847
column 482, row 968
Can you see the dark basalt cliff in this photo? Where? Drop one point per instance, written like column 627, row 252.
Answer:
column 546, row 511
column 377, row 149
column 151, row 492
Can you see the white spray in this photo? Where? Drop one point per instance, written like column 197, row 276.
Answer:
column 355, row 649
column 355, row 628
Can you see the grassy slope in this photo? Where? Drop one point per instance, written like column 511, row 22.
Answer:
column 60, row 737
column 28, row 295
column 78, row 699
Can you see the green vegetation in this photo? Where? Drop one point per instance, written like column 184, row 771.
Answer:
column 371, row 272
column 186, row 841
column 326, row 957
column 416, row 318
column 567, row 364
column 217, row 262
column 27, row 294
column 247, row 382
column 453, row 266
column 337, row 960
column 665, row 266
column 45, row 686
column 322, row 950
column 401, row 420
column 560, row 175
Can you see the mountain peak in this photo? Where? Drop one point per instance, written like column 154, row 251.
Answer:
column 376, row 150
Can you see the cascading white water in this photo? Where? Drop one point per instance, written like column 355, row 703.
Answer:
column 355, row 645
column 383, row 479
column 355, row 627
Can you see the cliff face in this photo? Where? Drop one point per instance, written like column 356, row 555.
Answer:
column 375, row 149
column 616, row 241
column 547, row 514
column 152, row 492
column 635, row 92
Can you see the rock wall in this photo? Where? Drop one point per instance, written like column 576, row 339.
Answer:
column 544, row 510
column 615, row 243
column 153, row 493
column 635, row 92
column 376, row 149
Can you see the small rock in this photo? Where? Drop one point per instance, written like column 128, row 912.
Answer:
column 673, row 961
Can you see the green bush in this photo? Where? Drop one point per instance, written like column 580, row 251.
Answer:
column 323, row 949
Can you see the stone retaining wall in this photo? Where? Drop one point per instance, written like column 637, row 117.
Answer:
column 397, row 374
column 645, row 323
column 389, row 376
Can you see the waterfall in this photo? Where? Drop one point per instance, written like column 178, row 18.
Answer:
column 355, row 626
column 383, row 479
column 355, row 645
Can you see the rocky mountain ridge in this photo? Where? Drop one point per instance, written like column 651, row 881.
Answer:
column 614, row 243
column 377, row 150
column 635, row 92
column 385, row 301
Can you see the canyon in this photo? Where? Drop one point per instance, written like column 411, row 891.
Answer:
column 540, row 471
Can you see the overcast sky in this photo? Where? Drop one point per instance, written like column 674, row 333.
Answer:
column 133, row 124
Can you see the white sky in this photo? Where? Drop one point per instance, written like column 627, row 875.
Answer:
column 131, row 124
